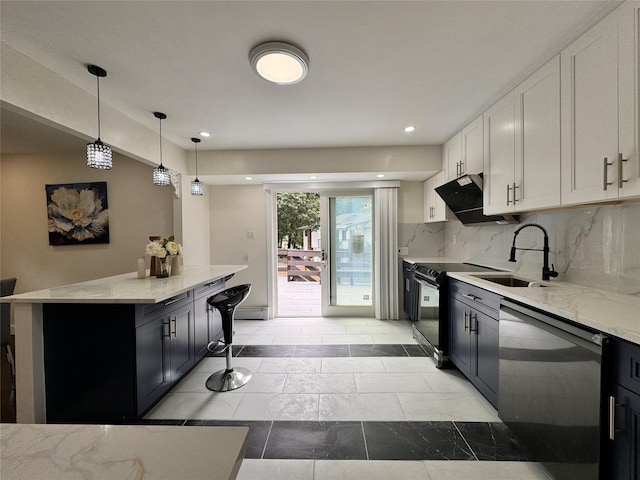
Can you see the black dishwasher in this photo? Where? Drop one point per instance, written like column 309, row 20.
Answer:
column 550, row 390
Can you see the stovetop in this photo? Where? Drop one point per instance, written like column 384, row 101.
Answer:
column 437, row 271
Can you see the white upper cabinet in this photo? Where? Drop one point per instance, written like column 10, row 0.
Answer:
column 452, row 156
column 522, row 145
column 435, row 209
column 629, row 98
column 600, row 111
column 537, row 132
column 472, row 152
column 499, row 155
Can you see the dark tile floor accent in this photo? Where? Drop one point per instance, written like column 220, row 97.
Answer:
column 492, row 441
column 372, row 440
column 256, row 440
column 316, row 441
column 415, row 441
column 315, row 351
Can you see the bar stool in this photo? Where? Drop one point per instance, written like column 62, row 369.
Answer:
column 226, row 302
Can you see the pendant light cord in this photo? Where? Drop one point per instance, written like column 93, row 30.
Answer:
column 98, row 82
column 196, row 160
column 160, row 142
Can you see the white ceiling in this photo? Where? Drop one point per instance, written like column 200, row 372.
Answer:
column 375, row 66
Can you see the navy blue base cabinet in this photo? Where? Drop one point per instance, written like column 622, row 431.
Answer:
column 624, row 405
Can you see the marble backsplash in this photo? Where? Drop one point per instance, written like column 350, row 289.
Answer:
column 596, row 246
column 422, row 239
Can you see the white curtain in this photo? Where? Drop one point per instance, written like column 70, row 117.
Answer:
column 386, row 253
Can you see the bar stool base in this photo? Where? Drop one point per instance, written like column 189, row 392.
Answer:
column 225, row 380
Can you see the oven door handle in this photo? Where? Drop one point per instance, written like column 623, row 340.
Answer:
column 426, row 282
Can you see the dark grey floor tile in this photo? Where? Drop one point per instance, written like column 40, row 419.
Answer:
column 415, row 350
column 312, row 351
column 316, row 441
column 415, row 441
column 267, row 351
column 492, row 441
column 378, row 350
column 256, row 440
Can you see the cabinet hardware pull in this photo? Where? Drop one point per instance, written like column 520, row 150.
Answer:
column 457, row 169
column 514, row 193
column 169, row 302
column 605, row 164
column 174, row 325
column 461, row 167
column 471, row 329
column 508, row 190
column 166, row 332
column 466, row 319
column 612, row 418
column 621, row 170
column 472, row 297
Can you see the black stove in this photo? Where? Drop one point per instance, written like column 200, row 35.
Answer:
column 429, row 306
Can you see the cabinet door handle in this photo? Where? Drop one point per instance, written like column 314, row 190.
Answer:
column 612, row 418
column 514, row 193
column 461, row 167
column 620, row 170
column 169, row 302
column 508, row 196
column 466, row 321
column 174, row 326
column 471, row 318
column 605, row 182
column 472, row 297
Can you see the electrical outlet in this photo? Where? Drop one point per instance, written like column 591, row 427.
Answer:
column 245, row 257
column 251, row 235
column 403, row 251
column 454, row 239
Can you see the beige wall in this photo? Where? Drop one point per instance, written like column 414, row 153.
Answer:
column 236, row 210
column 411, row 202
column 137, row 209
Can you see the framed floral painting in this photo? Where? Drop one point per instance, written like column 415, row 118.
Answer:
column 78, row 213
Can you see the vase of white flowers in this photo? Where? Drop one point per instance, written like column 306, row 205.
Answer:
column 163, row 250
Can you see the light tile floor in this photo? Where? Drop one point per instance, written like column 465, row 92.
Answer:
column 344, row 388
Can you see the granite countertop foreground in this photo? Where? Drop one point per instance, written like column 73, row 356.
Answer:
column 116, row 452
column 613, row 313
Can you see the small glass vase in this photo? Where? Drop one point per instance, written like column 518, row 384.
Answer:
column 163, row 268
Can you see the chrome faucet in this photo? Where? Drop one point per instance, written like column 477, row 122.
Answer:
column 546, row 271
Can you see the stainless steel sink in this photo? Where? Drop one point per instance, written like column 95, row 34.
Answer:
column 509, row 281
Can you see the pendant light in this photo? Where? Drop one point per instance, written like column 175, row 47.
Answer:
column 197, row 188
column 161, row 176
column 98, row 154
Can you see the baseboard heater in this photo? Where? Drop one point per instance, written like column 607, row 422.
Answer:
column 252, row 313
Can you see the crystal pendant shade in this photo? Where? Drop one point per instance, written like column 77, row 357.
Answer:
column 99, row 155
column 161, row 176
column 197, row 187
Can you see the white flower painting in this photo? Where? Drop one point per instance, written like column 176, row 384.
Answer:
column 78, row 213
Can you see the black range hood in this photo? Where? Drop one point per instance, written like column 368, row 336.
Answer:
column 463, row 196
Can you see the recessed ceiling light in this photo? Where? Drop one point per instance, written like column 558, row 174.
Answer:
column 410, row 128
column 280, row 63
column 248, row 178
column 380, row 175
column 205, row 134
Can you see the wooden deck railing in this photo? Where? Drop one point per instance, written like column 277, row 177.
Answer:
column 302, row 265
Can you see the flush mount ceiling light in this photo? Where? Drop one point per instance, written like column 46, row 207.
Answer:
column 98, row 154
column 279, row 62
column 161, row 175
column 204, row 134
column 197, row 187
column 410, row 129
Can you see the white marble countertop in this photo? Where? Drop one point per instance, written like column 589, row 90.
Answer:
column 608, row 312
column 108, row 452
column 128, row 288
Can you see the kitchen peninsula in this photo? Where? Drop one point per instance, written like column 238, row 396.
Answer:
column 108, row 349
